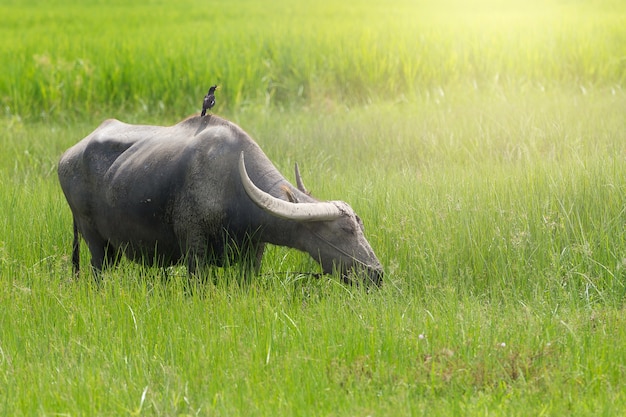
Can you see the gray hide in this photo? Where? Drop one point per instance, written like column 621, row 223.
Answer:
column 191, row 191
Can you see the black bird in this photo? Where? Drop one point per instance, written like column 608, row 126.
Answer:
column 209, row 100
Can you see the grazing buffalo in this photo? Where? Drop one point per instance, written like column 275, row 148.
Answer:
column 197, row 192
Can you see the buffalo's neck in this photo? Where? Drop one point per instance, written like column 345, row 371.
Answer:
column 288, row 233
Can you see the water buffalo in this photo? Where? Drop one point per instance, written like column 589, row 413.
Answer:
column 194, row 191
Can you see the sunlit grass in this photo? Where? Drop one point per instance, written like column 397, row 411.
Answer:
column 482, row 143
column 165, row 57
column 499, row 221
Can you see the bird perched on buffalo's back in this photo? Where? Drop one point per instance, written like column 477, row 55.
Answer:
column 209, row 100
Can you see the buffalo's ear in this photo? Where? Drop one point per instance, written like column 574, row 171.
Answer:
column 290, row 195
column 299, row 182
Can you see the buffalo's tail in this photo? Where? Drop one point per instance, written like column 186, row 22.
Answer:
column 76, row 250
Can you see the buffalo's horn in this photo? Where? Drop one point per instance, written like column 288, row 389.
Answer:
column 299, row 182
column 322, row 211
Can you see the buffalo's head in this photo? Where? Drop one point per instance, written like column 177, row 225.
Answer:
column 331, row 232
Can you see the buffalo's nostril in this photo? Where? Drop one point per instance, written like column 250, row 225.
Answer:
column 375, row 276
column 367, row 277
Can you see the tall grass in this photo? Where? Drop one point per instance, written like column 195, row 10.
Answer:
column 499, row 221
column 160, row 58
column 482, row 144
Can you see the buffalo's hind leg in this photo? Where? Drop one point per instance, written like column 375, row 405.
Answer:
column 96, row 247
column 98, row 255
column 102, row 254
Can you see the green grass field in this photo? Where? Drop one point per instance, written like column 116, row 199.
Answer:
column 482, row 143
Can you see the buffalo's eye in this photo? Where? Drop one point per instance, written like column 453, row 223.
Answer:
column 351, row 227
column 348, row 229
